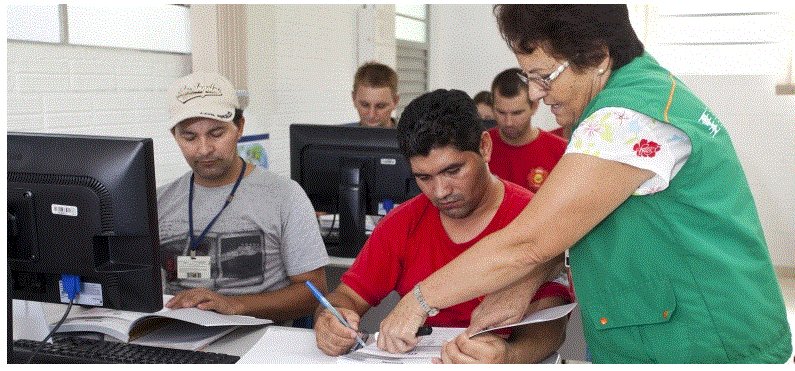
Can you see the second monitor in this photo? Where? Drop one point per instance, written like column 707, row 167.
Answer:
column 350, row 171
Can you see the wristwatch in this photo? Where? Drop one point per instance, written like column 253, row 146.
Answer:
column 431, row 311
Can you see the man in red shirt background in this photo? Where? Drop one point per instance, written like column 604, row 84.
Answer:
column 523, row 153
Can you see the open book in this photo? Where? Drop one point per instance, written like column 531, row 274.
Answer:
column 430, row 346
column 185, row 328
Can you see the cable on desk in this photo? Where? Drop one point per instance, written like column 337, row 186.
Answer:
column 331, row 228
column 71, row 285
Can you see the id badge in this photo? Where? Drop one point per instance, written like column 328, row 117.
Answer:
column 193, row 267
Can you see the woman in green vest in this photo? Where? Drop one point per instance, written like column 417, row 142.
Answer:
column 668, row 258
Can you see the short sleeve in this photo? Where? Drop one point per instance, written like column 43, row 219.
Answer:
column 377, row 268
column 626, row 136
column 303, row 249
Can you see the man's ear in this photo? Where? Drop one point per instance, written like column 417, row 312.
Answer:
column 485, row 146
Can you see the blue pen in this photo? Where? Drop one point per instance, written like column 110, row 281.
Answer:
column 331, row 309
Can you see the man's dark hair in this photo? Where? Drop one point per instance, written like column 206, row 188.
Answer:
column 508, row 84
column 238, row 116
column 235, row 120
column 437, row 119
column 483, row 97
column 576, row 33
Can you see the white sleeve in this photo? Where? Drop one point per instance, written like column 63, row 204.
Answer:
column 626, row 136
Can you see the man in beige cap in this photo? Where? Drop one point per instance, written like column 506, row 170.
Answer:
column 235, row 238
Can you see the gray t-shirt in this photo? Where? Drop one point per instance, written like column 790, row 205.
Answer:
column 268, row 232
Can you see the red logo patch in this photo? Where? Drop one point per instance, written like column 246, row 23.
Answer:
column 646, row 148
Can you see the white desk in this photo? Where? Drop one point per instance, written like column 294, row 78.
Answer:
column 286, row 345
column 264, row 344
column 297, row 345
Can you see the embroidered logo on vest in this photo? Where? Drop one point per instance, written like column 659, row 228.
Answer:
column 709, row 120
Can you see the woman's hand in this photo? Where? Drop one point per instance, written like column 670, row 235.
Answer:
column 398, row 329
column 511, row 304
column 503, row 307
column 484, row 348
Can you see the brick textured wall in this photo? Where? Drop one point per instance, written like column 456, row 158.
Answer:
column 301, row 61
column 98, row 91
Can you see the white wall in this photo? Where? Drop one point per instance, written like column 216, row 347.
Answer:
column 302, row 59
column 94, row 91
column 467, row 51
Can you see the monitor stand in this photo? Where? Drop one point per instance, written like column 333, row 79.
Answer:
column 352, row 209
column 29, row 320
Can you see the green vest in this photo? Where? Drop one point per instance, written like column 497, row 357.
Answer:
column 682, row 275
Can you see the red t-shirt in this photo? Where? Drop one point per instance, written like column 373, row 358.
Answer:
column 528, row 165
column 409, row 244
column 559, row 132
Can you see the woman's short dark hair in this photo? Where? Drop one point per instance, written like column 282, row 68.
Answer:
column 437, row 119
column 576, row 33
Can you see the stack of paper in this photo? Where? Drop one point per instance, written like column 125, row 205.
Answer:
column 430, row 346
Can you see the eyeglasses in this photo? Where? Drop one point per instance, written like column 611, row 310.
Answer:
column 544, row 83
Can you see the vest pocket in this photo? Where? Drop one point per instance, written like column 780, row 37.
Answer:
column 639, row 303
column 633, row 324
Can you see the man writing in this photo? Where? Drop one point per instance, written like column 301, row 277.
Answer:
column 523, row 153
column 235, row 238
column 461, row 201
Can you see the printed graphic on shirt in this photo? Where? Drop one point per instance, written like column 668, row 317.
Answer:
column 236, row 259
column 536, row 178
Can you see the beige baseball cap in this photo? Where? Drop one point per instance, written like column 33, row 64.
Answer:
column 202, row 94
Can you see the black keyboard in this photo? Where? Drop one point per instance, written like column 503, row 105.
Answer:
column 73, row 349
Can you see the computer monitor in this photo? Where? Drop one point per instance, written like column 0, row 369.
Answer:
column 85, row 206
column 350, row 171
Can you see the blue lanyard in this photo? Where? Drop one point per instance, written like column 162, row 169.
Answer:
column 194, row 241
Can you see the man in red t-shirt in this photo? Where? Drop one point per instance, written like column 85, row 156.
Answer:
column 523, row 153
column 461, row 202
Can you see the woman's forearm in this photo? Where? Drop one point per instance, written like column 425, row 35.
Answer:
column 580, row 192
column 470, row 275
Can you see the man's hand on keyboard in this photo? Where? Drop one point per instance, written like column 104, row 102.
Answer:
column 206, row 299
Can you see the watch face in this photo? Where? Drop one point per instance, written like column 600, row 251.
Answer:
column 433, row 312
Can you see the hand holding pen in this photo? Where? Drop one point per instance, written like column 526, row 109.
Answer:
column 336, row 314
column 333, row 343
